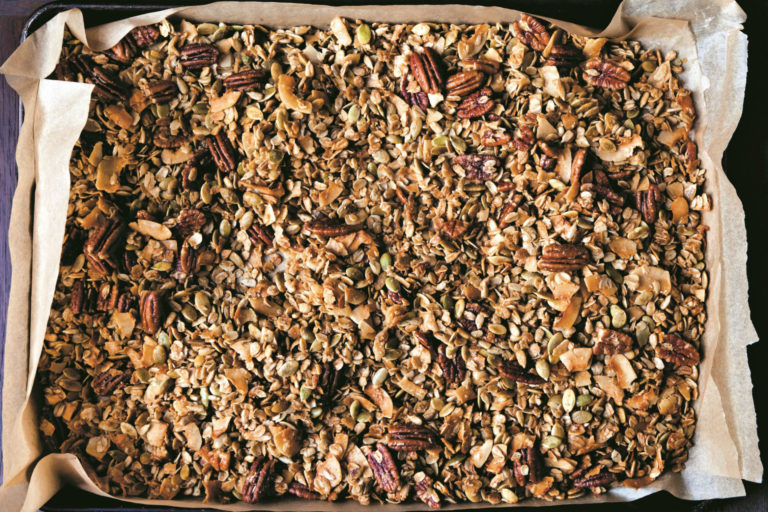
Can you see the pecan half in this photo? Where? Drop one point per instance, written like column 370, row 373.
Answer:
column 527, row 466
column 648, row 202
column 331, row 228
column 246, row 80
column 563, row 257
column 161, row 91
column 151, row 309
column 564, row 56
column 260, row 234
column 187, row 258
column 102, row 243
column 417, row 99
column 384, row 468
column 303, row 492
column 603, row 73
column 535, row 35
column 125, row 302
column 464, row 83
column 189, row 221
column 674, row 349
column 612, row 342
column 425, row 491
column 604, row 191
column 509, row 208
column 427, row 69
column 106, row 300
column 526, row 139
column 489, row 67
column 409, row 438
column 548, row 160
column 512, row 370
column 454, row 369
column 491, row 138
column 107, row 85
column 194, row 167
column 454, row 229
column 124, row 51
column 145, row 35
column 598, row 480
column 198, row 56
column 468, row 319
column 478, row 167
column 163, row 138
column 108, row 381
column 258, row 483
column 224, row 155
column 577, row 166
column 77, row 298
column 476, row 104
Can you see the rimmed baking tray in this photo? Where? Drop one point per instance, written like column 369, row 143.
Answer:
column 590, row 12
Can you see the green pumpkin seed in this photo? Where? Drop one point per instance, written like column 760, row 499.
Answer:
column 363, row 417
column 458, row 144
column 246, row 220
column 551, row 442
column 305, row 393
column 457, row 458
column 648, row 66
column 581, row 417
column 392, row 354
column 162, row 266
column 354, row 409
column 542, row 368
column 143, row 375
column 558, row 431
column 354, row 273
column 642, row 333
column 206, row 29
column 440, row 141
column 583, row 400
column 354, row 113
column 392, row 284
column 364, row 34
column 163, row 110
column 225, row 228
column 288, row 368
column 618, row 317
column 200, row 108
column 205, row 193
column 385, row 261
column 269, row 91
column 380, row 377
column 569, row 400
column 159, row 355
column 276, row 156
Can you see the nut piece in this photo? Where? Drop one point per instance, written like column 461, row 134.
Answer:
column 454, row 229
column 108, row 381
column 224, row 155
column 598, row 480
column 77, row 298
column 161, row 91
column 244, row 80
column 478, row 167
column 509, row 208
column 259, row 234
column 527, row 466
column 464, row 83
column 512, row 370
column 330, row 381
column 107, row 85
column 194, row 167
column 106, row 299
column 258, row 483
column 151, row 309
column 533, row 34
column 648, row 202
column 673, row 349
column 303, row 492
column 612, row 342
column 526, row 140
column 564, row 56
column 563, row 257
column 198, row 56
column 410, row 438
column 331, row 228
column 491, row 138
column 188, row 258
column 425, row 491
column 102, row 244
column 454, row 369
column 489, row 67
column 476, row 105
column 189, row 221
column 417, row 99
column 144, row 36
column 426, row 68
column 603, row 73
column 384, row 468
column 124, row 51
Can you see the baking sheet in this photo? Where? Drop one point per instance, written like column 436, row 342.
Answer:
column 705, row 33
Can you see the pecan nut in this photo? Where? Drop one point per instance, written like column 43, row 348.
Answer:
column 475, row 105
column 125, row 302
column 464, row 83
column 675, row 350
column 454, row 369
column 258, row 483
column 108, row 381
column 384, row 468
column 330, row 381
column 246, row 80
column 512, row 370
column 303, row 492
column 648, row 202
column 77, row 298
column 187, row 258
column 563, row 257
column 189, row 221
column 577, row 166
column 691, row 157
column 527, row 466
column 478, row 167
column 331, row 228
column 526, row 139
column 194, row 167
column 564, row 56
column 489, row 67
column 224, row 155
column 163, row 138
column 604, row 192
column 491, row 138
column 106, row 300
column 107, row 85
column 427, row 69
column 410, row 438
column 425, row 490
column 473, row 317
column 259, row 234
column 145, row 35
column 161, row 91
column 531, row 32
column 198, row 56
column 124, row 51
column 417, row 99
column 611, row 342
column 598, row 480
column 454, row 229
column 101, row 245
column 603, row 73
column 151, row 309
column 509, row 208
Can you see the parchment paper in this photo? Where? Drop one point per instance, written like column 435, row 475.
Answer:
column 706, row 35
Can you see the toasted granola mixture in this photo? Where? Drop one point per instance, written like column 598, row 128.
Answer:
column 378, row 262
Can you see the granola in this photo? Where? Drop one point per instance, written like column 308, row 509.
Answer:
column 377, row 262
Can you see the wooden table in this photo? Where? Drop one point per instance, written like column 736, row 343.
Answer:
column 746, row 163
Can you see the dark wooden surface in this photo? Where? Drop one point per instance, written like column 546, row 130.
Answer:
column 746, row 164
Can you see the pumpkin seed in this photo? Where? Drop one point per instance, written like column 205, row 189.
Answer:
column 225, row 228
column 583, row 399
column 457, row 458
column 569, row 400
column 364, row 416
column 159, row 355
column 143, row 375
column 581, row 417
column 642, row 333
column 288, row 368
column 364, row 34
column 458, row 144
column 392, row 284
column 380, row 377
column 551, row 442
column 618, row 317
column 354, row 409
column 392, row 354
column 385, row 261
column 305, row 392
column 542, row 368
